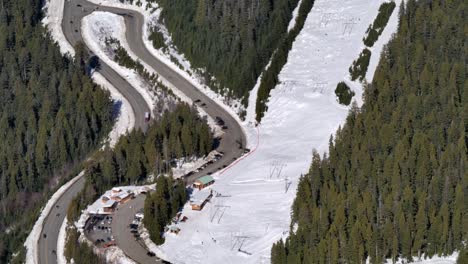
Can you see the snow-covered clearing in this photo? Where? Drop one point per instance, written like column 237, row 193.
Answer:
column 53, row 22
column 125, row 118
column 184, row 166
column 31, row 241
column 452, row 259
column 117, row 256
column 254, row 211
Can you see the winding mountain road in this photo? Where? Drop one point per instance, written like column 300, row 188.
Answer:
column 232, row 142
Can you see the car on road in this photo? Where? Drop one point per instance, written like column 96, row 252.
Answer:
column 45, row 235
column 151, row 254
column 147, row 116
column 197, row 101
column 219, row 121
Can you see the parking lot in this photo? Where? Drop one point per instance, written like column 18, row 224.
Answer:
column 99, row 231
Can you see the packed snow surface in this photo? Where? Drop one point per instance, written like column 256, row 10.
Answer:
column 452, row 259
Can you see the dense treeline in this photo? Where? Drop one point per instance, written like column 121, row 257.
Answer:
column 344, row 93
column 375, row 30
column 270, row 76
column 359, row 67
column 162, row 205
column 232, row 40
column 51, row 116
column 178, row 134
column 81, row 253
column 394, row 184
column 157, row 39
column 122, row 57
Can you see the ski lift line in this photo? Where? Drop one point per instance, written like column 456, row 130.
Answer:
column 245, row 156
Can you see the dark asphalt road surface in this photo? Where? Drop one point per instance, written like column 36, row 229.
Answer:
column 231, row 144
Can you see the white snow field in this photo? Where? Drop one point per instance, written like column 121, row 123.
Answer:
column 452, row 259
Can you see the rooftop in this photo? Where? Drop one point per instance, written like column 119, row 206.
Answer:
column 199, row 197
column 205, row 179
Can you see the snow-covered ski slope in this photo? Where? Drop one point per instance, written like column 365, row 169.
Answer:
column 254, row 212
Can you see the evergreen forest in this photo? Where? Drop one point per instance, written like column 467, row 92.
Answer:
column 393, row 184
column 232, row 40
column 51, row 117
column 162, row 205
column 179, row 134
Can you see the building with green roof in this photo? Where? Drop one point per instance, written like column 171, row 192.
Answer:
column 203, row 182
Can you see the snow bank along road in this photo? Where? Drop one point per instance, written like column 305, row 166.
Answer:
column 231, row 144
